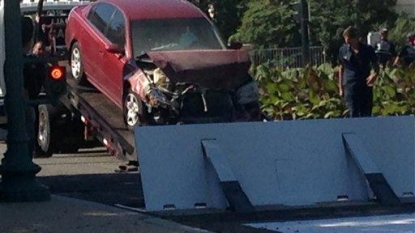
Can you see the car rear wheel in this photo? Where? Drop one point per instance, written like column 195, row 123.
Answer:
column 134, row 114
column 77, row 69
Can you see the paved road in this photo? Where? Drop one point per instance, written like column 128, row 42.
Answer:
column 91, row 175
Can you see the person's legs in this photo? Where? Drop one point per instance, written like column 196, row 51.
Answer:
column 366, row 101
column 351, row 99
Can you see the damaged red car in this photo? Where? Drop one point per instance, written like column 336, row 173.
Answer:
column 162, row 62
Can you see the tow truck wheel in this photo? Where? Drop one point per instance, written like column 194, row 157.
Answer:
column 133, row 110
column 44, row 134
column 77, row 70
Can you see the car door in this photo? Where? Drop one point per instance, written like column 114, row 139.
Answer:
column 93, row 43
column 113, row 62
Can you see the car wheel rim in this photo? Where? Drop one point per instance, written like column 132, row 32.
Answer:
column 133, row 110
column 42, row 135
column 76, row 63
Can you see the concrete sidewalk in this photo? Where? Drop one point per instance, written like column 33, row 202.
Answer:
column 67, row 215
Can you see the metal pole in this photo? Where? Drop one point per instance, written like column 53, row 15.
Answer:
column 305, row 44
column 18, row 183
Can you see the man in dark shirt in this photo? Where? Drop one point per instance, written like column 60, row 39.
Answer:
column 356, row 78
column 33, row 75
column 385, row 49
column 34, row 72
column 407, row 54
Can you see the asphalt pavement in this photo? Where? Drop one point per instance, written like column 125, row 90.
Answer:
column 88, row 183
column 65, row 214
column 68, row 215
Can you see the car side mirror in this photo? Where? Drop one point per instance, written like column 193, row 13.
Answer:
column 235, row 45
column 114, row 48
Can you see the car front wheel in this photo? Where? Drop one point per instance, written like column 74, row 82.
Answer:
column 134, row 114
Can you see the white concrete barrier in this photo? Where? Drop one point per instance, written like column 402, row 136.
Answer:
column 291, row 163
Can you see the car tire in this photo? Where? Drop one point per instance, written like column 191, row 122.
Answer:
column 134, row 114
column 45, row 146
column 77, row 69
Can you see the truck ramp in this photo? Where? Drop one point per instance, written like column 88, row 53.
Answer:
column 104, row 116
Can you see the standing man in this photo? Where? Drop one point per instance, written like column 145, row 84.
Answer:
column 385, row 49
column 34, row 72
column 33, row 75
column 356, row 77
column 407, row 54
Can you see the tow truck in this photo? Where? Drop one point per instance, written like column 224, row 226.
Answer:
column 52, row 12
column 49, row 19
column 82, row 117
column 69, row 122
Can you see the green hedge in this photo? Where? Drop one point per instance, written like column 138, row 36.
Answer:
column 312, row 92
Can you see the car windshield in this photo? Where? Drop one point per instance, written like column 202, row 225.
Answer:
column 174, row 34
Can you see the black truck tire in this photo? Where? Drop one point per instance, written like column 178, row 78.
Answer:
column 57, row 132
column 45, row 146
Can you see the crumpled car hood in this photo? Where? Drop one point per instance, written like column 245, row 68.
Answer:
column 213, row 69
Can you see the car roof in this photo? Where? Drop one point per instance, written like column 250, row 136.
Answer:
column 156, row 9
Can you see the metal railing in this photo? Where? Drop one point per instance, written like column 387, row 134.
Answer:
column 287, row 57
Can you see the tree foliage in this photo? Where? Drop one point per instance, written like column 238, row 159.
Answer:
column 269, row 23
column 227, row 14
column 403, row 25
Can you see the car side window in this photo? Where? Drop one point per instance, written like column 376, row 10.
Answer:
column 116, row 29
column 100, row 16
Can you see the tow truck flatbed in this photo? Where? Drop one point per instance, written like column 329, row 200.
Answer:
column 104, row 118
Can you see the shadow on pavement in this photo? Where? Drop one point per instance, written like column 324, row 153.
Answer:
column 110, row 189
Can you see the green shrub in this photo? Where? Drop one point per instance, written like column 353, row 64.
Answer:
column 312, row 92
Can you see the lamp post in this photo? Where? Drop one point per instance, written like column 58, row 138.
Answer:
column 18, row 172
column 302, row 17
column 305, row 41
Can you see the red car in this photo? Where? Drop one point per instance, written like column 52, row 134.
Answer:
column 161, row 61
